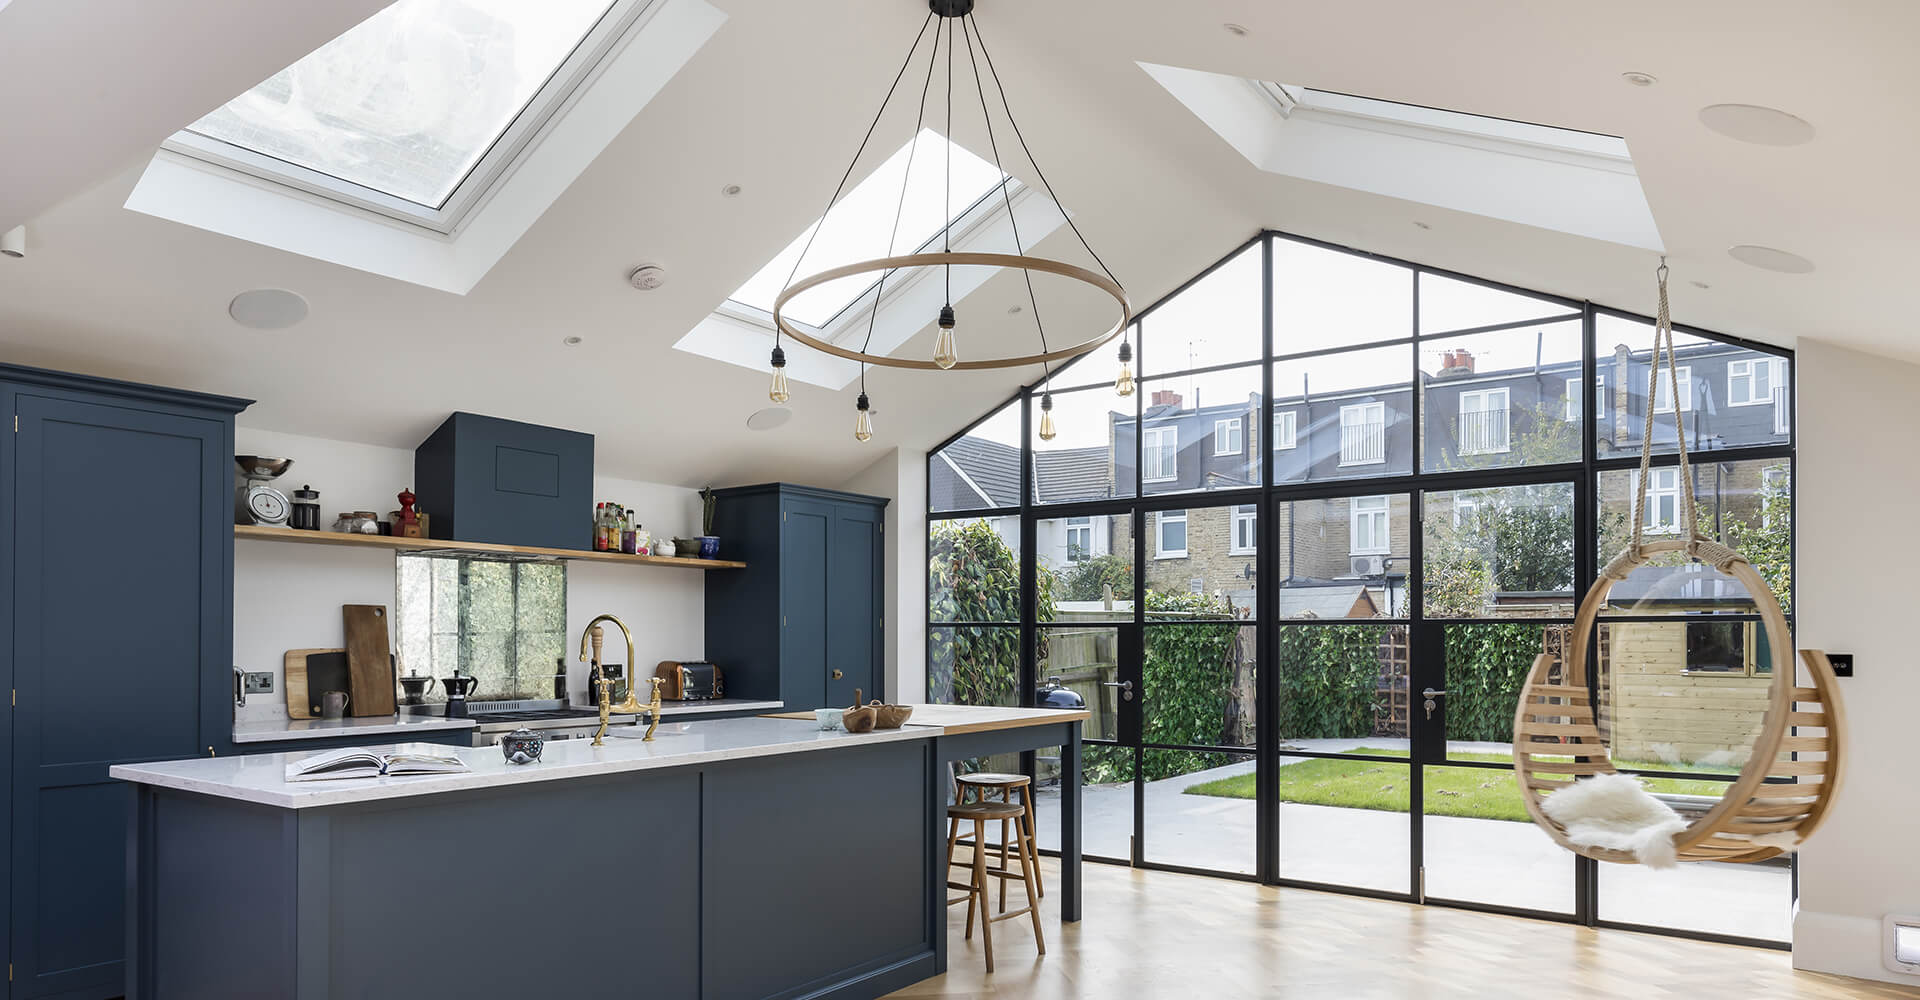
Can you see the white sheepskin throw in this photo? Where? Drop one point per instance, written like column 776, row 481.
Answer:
column 1612, row 811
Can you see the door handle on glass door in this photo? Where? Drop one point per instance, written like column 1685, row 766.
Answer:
column 1431, row 694
column 1126, row 688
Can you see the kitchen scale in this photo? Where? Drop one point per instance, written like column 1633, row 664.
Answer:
column 254, row 502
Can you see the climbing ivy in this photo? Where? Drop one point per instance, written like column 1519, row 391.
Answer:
column 1486, row 666
column 1329, row 679
column 974, row 576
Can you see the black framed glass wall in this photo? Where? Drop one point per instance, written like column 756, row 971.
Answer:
column 1344, row 481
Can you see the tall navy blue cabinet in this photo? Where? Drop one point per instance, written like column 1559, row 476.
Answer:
column 803, row 622
column 116, row 583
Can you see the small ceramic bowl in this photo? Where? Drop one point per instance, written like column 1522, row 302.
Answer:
column 828, row 718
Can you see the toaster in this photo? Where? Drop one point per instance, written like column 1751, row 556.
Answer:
column 689, row 681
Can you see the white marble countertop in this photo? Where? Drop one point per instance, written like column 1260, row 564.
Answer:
column 397, row 726
column 261, row 778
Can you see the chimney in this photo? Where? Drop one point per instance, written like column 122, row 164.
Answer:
column 1166, row 397
column 1456, row 362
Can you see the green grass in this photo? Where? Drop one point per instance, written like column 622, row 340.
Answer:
column 1473, row 792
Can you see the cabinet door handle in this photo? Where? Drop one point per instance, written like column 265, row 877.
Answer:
column 837, row 675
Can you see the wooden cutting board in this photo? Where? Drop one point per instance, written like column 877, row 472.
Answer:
column 369, row 661
column 326, row 671
column 293, row 676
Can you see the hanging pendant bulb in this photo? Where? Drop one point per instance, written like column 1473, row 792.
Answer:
column 1046, row 417
column 779, row 393
column 863, row 419
column 943, row 353
column 1124, row 384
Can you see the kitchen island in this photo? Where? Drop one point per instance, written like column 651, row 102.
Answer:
column 731, row 858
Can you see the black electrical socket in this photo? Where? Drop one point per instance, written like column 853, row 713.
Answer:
column 1842, row 664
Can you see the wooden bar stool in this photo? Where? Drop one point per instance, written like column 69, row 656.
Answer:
column 987, row 784
column 980, row 813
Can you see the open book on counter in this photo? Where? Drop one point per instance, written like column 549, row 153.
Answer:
column 370, row 762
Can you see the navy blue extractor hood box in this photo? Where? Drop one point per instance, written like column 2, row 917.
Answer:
column 483, row 479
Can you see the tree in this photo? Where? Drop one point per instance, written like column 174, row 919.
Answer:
column 1089, row 579
column 1767, row 542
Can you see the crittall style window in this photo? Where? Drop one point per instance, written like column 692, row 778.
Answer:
column 1254, row 627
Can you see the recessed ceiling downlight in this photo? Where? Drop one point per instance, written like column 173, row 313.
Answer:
column 769, row 418
column 267, row 309
column 1769, row 259
column 1755, row 124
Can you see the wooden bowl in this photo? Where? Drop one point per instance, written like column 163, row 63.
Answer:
column 859, row 720
column 890, row 716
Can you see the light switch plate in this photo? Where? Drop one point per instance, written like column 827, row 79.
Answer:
column 1842, row 664
column 259, row 682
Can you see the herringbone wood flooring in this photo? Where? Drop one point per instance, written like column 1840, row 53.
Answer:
column 1153, row 935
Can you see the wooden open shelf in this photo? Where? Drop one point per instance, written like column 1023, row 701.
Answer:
column 271, row 534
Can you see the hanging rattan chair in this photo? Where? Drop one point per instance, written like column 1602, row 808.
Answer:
column 1780, row 796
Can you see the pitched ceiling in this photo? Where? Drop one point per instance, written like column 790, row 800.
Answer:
column 90, row 85
column 775, row 103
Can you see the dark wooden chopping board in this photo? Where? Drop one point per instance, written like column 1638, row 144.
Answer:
column 369, row 661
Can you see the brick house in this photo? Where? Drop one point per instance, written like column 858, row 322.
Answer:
column 1728, row 396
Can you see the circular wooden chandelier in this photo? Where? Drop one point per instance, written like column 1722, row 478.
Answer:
column 943, row 17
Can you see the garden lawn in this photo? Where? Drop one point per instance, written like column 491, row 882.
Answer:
column 1473, row 792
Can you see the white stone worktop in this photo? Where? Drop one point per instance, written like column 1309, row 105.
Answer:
column 390, row 726
column 261, row 778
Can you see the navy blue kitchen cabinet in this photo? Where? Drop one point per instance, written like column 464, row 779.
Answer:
column 803, row 622
column 484, row 479
column 117, row 587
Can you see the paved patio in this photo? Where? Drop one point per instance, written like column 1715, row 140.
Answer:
column 1477, row 860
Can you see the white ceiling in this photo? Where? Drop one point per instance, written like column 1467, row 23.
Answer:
column 775, row 103
column 91, row 83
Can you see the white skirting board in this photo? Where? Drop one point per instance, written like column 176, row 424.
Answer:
column 1843, row 945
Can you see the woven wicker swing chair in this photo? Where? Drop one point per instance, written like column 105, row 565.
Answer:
column 1778, row 798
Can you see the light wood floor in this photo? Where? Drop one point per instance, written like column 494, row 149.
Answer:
column 1153, row 935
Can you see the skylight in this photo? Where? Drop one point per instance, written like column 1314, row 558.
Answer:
column 410, row 102
column 1564, row 179
column 861, row 224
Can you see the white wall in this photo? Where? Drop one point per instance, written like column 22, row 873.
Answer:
column 289, row 596
column 901, row 476
column 1857, row 490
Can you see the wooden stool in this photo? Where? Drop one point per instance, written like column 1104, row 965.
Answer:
column 1002, row 786
column 981, row 813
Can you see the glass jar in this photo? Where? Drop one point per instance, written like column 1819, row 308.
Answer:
column 357, row 522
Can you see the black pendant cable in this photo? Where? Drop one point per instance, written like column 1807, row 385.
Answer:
column 945, row 355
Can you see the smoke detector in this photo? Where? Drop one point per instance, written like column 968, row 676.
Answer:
column 647, row 277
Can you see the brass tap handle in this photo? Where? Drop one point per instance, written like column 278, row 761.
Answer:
column 599, row 639
column 653, row 709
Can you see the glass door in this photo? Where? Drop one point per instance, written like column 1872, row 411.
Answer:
column 1087, row 652
column 1497, row 591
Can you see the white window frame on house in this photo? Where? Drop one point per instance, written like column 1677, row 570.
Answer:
column 1748, row 371
column 1664, row 488
column 1243, row 537
column 1160, row 454
column 1662, row 390
column 1286, row 429
column 1381, row 525
column 1078, row 527
column 1365, row 455
column 1484, row 400
column 1226, row 436
column 1574, row 399
column 1160, row 523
